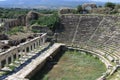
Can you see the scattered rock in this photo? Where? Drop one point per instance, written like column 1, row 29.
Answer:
column 66, row 11
column 23, row 40
column 14, row 42
column 6, row 46
column 92, row 5
column 3, row 37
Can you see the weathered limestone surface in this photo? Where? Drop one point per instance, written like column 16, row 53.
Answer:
column 22, row 20
column 66, row 11
column 97, row 33
column 30, row 69
column 31, row 16
column 92, row 5
column 102, row 32
column 10, row 23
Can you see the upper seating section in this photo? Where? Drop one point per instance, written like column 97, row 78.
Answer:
column 108, row 33
column 86, row 28
column 91, row 30
column 68, row 24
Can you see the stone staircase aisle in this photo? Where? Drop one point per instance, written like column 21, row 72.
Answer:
column 116, row 76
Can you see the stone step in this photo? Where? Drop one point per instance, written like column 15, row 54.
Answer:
column 6, row 69
column 23, row 59
column 31, row 54
column 16, row 65
column 17, row 62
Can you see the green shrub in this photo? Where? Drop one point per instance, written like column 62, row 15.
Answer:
column 15, row 30
column 49, row 21
column 79, row 8
column 110, row 5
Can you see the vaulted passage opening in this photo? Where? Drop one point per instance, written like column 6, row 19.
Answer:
column 3, row 63
column 14, row 56
column 9, row 60
column 27, row 49
column 34, row 45
column 31, row 47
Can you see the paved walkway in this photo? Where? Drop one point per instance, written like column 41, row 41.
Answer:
column 25, row 71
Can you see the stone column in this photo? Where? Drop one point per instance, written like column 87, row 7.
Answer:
column 43, row 40
column 17, row 55
column 30, row 48
column 12, row 58
column 45, row 37
column 6, row 61
column 0, row 65
column 36, row 44
column 39, row 42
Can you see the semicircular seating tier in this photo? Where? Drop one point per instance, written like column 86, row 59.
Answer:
column 92, row 32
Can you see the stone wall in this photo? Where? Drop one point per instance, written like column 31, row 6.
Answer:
column 67, row 11
column 91, row 5
column 10, row 23
column 22, row 20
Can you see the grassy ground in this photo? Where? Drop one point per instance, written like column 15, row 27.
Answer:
column 14, row 30
column 71, row 65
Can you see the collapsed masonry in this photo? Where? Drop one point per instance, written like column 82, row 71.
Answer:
column 23, row 20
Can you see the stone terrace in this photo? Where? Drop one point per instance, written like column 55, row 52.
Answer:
column 92, row 32
column 88, row 30
column 96, row 33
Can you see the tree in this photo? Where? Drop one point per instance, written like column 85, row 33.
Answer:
column 79, row 8
column 49, row 21
column 110, row 5
column 117, row 6
column 99, row 6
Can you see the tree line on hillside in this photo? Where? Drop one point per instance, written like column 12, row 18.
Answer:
column 15, row 12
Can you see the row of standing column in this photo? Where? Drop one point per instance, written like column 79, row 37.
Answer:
column 21, row 53
column 8, row 60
